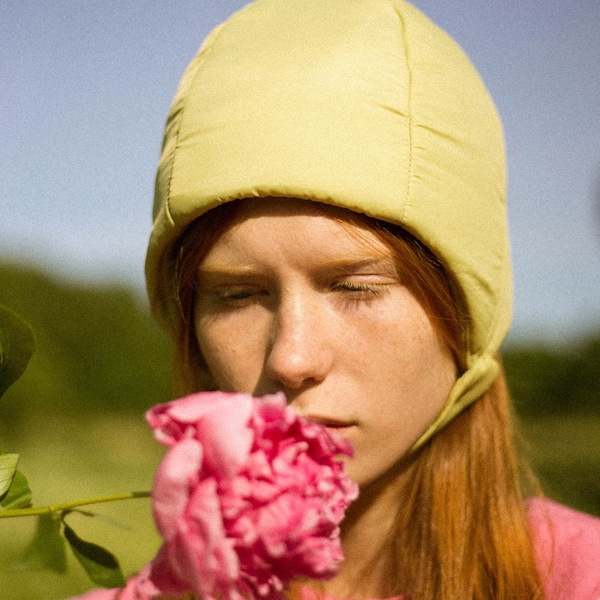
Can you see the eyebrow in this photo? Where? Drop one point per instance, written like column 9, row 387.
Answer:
column 342, row 265
column 226, row 270
column 350, row 265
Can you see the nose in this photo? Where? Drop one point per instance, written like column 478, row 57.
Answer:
column 300, row 353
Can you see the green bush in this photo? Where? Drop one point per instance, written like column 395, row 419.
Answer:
column 98, row 350
column 546, row 382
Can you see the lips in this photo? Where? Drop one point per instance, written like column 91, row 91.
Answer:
column 331, row 423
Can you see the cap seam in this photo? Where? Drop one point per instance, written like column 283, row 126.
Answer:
column 410, row 120
column 207, row 47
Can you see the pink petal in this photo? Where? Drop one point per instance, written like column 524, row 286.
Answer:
column 200, row 554
column 193, row 408
column 158, row 575
column 225, row 435
column 172, row 482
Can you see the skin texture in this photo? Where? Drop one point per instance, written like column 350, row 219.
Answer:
column 290, row 299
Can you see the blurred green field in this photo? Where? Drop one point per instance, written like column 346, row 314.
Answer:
column 81, row 458
column 564, row 452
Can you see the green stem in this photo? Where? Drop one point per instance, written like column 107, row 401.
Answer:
column 25, row 512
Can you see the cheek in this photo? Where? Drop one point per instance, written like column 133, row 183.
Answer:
column 430, row 373
column 231, row 352
column 413, row 375
column 407, row 348
column 217, row 355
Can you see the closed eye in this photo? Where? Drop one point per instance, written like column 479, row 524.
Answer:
column 235, row 294
column 360, row 290
column 229, row 297
column 356, row 286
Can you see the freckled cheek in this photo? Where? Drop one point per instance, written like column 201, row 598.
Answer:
column 387, row 335
column 405, row 347
column 233, row 353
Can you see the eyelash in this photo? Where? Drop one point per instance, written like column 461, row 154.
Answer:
column 236, row 295
column 361, row 289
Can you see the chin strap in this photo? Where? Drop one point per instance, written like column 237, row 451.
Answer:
column 468, row 388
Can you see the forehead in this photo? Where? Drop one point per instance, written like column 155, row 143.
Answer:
column 297, row 227
column 254, row 208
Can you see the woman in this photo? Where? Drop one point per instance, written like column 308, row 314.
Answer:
column 330, row 222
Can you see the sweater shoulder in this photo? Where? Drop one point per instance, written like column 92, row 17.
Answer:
column 567, row 550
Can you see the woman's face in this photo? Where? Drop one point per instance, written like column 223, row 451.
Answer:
column 290, row 299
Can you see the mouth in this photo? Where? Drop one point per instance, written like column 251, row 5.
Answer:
column 332, row 424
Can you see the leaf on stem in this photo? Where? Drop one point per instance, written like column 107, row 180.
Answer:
column 17, row 344
column 8, row 468
column 19, row 494
column 47, row 548
column 101, row 566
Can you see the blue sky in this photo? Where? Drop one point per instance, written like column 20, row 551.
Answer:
column 86, row 85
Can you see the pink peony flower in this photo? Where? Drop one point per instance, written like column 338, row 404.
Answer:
column 247, row 498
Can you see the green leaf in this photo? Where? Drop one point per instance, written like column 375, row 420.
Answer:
column 101, row 566
column 17, row 344
column 47, row 548
column 19, row 494
column 8, row 468
column 14, row 488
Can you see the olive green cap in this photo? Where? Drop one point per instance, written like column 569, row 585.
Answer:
column 362, row 104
